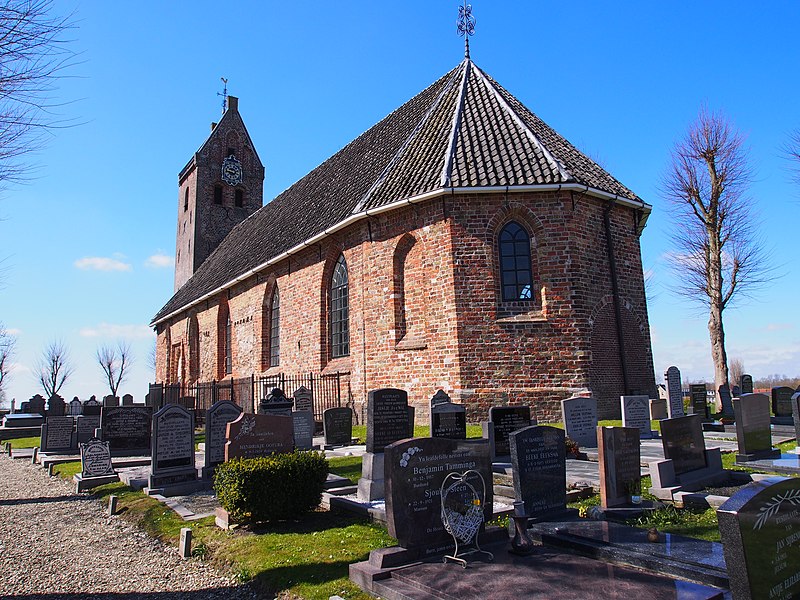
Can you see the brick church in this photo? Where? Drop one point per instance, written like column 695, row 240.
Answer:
column 459, row 244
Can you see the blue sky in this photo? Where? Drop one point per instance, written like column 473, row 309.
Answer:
column 88, row 243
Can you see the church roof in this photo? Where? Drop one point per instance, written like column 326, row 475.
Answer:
column 465, row 132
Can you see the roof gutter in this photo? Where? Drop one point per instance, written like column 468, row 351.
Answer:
column 354, row 218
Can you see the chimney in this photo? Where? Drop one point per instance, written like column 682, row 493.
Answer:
column 233, row 103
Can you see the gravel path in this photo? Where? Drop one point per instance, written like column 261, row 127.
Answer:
column 56, row 544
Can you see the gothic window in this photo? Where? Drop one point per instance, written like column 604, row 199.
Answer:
column 239, row 198
column 275, row 330
column 515, row 263
column 217, row 194
column 228, row 357
column 339, row 317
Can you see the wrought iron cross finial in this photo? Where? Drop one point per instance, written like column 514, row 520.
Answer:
column 224, row 94
column 465, row 24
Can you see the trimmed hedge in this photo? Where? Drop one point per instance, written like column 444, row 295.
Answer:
column 271, row 488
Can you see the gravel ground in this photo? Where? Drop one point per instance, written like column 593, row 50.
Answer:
column 55, row 544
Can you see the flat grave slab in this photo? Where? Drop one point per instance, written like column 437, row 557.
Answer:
column 548, row 573
column 788, row 464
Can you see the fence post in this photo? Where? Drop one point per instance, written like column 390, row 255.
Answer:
column 338, row 389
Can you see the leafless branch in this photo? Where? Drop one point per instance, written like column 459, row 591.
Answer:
column 115, row 361
column 791, row 151
column 54, row 367
column 7, row 346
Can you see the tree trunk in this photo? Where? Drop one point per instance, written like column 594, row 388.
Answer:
column 716, row 333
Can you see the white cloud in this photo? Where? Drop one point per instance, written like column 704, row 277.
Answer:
column 780, row 326
column 158, row 260
column 100, row 263
column 111, row 330
column 13, row 331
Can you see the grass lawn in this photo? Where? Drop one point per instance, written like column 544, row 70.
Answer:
column 27, row 442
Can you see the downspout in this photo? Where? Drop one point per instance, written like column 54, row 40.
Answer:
column 612, row 265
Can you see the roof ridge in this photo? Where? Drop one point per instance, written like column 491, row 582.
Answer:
column 400, row 151
column 447, row 170
column 557, row 164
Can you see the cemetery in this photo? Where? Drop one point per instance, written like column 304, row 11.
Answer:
column 450, row 504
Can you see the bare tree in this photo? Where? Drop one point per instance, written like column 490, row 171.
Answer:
column 7, row 345
column 791, row 150
column 719, row 255
column 115, row 361
column 34, row 52
column 54, row 367
column 736, row 370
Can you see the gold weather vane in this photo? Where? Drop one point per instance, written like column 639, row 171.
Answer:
column 224, row 94
column 465, row 24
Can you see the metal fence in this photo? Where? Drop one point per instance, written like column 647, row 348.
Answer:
column 327, row 391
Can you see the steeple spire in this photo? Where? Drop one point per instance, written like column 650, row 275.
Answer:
column 466, row 25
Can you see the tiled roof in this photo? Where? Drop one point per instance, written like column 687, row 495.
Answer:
column 463, row 131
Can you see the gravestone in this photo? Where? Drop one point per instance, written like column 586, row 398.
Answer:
column 699, row 396
column 387, row 422
column 539, row 464
column 92, row 408
column 303, row 399
column 96, row 459
column 127, row 400
column 58, row 435
column 412, row 415
column 736, row 391
column 782, row 401
column 250, row 436
column 683, row 443
column 338, row 426
column 127, row 429
column 303, row 429
column 96, row 467
column 579, row 415
column 658, row 409
column 35, row 405
column 796, row 415
column 85, row 426
column 636, row 413
column 753, row 432
column 111, row 401
column 760, row 530
column 746, row 384
column 172, row 456
column 56, row 407
column 276, row 403
column 415, row 470
column 75, row 407
column 725, row 400
column 387, row 418
column 217, row 418
column 620, row 471
column 503, row 421
column 674, row 392
column 447, row 420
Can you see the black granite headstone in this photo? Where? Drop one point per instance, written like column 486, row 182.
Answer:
column 539, row 463
column 35, row 405
column 746, row 384
column 725, row 400
column 86, row 426
column 92, row 408
column 760, row 530
column 796, row 415
column 782, row 401
column 699, row 400
column 303, row 424
column 415, row 470
column 217, row 418
column 75, row 407
column 506, row 420
column 447, row 420
column 753, row 432
column 338, row 426
column 387, row 418
column 683, row 442
column 127, row 429
column 58, row 435
column 276, row 403
column 619, row 459
column 172, row 458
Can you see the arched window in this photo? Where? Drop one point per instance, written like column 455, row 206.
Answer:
column 339, row 320
column 275, row 330
column 515, row 263
column 228, row 357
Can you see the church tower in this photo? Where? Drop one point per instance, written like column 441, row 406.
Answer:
column 220, row 187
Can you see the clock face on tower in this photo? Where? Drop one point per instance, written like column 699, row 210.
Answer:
column 231, row 171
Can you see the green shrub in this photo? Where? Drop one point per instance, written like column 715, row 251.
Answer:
column 271, row 488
